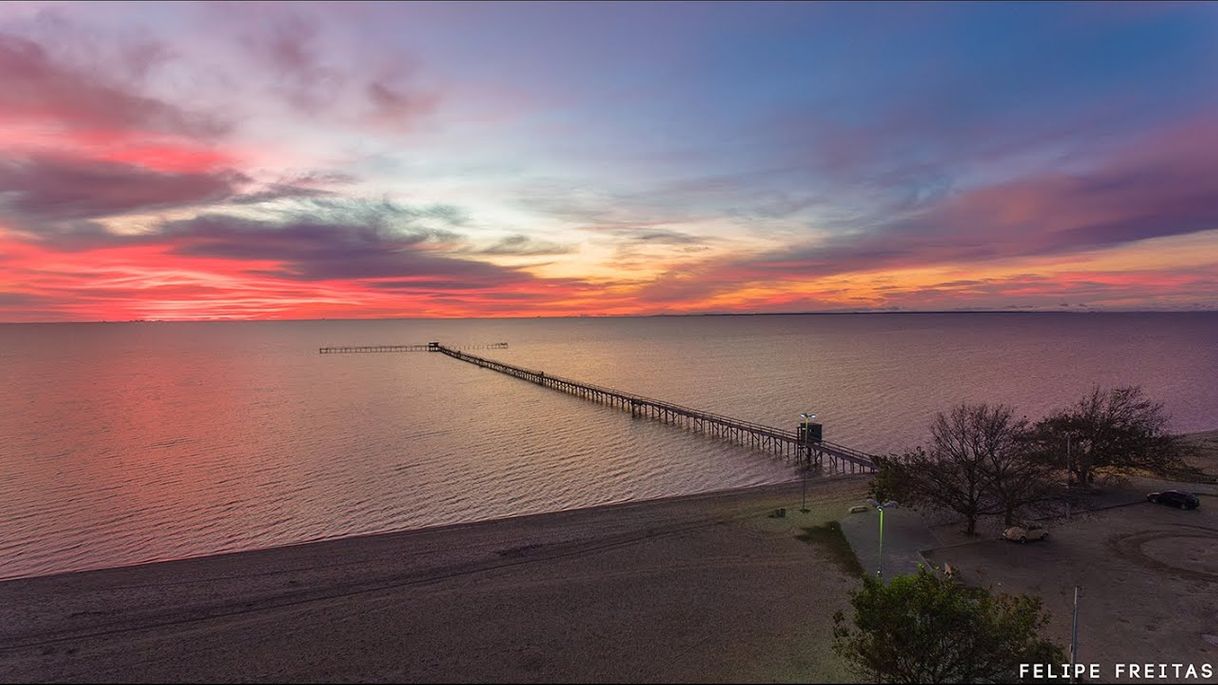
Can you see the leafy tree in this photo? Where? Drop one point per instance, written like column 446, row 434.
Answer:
column 893, row 480
column 924, row 628
column 1117, row 427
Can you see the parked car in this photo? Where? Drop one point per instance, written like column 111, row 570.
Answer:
column 1025, row 533
column 1175, row 498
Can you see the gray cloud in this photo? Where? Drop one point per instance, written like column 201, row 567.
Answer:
column 57, row 188
column 524, row 246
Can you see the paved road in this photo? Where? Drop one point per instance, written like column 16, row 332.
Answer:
column 905, row 536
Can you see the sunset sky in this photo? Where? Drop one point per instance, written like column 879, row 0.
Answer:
column 304, row 161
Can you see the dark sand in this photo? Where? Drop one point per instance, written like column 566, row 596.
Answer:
column 704, row 588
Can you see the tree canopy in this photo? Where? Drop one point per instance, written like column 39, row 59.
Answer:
column 982, row 460
column 1115, row 427
column 925, row 628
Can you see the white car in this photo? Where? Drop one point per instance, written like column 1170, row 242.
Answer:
column 1022, row 534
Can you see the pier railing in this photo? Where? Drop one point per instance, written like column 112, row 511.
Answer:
column 786, row 443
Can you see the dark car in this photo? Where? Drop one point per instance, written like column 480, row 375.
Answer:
column 1175, row 498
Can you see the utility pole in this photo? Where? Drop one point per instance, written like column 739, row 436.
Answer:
column 1069, row 478
column 1074, row 635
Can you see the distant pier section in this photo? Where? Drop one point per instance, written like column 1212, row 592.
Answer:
column 429, row 347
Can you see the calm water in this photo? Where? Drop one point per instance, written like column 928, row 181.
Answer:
column 124, row 443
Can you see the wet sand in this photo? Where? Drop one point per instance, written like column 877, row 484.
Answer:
column 702, row 588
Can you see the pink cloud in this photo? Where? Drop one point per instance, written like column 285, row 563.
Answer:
column 44, row 190
column 37, row 88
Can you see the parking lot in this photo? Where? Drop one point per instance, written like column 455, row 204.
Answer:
column 1148, row 576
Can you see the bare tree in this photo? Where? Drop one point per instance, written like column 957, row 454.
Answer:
column 982, row 460
column 952, row 474
column 1017, row 478
column 962, row 444
column 976, row 449
column 977, row 464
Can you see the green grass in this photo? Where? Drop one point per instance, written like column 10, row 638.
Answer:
column 829, row 537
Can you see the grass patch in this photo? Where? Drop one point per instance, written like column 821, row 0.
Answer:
column 829, row 537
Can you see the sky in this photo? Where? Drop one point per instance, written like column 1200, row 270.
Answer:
column 278, row 161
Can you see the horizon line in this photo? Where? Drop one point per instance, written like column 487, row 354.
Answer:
column 637, row 316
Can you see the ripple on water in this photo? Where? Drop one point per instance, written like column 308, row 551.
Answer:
column 122, row 444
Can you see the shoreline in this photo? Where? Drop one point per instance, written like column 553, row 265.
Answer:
column 743, row 492
column 1197, row 437
column 700, row 587
column 696, row 586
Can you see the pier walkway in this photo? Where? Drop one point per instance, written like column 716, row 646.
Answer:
column 785, row 443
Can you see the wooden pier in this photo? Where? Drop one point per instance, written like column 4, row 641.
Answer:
column 791, row 445
column 429, row 347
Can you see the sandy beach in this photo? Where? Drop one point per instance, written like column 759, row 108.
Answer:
column 702, row 588
column 710, row 587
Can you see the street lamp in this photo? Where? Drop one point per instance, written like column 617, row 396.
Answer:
column 879, row 571
column 806, row 418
